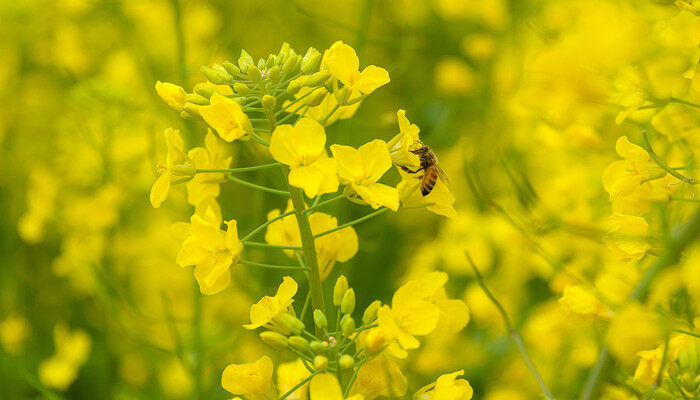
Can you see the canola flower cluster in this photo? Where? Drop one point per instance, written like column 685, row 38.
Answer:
column 569, row 130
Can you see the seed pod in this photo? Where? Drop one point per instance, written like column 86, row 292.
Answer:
column 370, row 313
column 298, row 343
column 310, row 61
column 321, row 363
column 347, row 305
column 320, row 319
column 292, row 323
column 275, row 340
column 341, row 286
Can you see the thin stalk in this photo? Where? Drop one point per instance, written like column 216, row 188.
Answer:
column 260, row 140
column 333, row 110
column 241, row 169
column 352, row 379
column 663, row 165
column 512, row 332
column 290, row 115
column 258, row 187
column 270, row 246
column 351, row 223
column 197, row 341
column 684, row 199
column 678, row 386
column 316, row 206
column 298, row 385
column 273, row 266
column 687, row 333
column 261, row 227
column 686, row 102
column 291, row 103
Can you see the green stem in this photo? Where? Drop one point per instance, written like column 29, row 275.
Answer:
column 685, row 236
column 333, row 110
column 241, row 169
column 260, row 140
column 298, row 385
column 270, row 246
column 272, row 266
column 678, row 387
column 293, row 113
column 663, row 165
column 293, row 102
column 258, row 187
column 261, row 227
column 512, row 332
column 316, row 206
column 352, row 379
column 686, row 102
column 351, row 223
column 687, row 333
column 684, row 199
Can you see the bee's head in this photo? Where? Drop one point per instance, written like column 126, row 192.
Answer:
column 418, row 148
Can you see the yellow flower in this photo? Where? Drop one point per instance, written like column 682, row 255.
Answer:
column 581, row 305
column 326, row 387
column 227, row 118
column 172, row 95
column 289, row 375
column 441, row 197
column 409, row 316
column 339, row 246
column 380, row 376
column 206, row 185
column 650, row 360
column 344, row 65
column 631, row 330
column 454, row 77
column 361, row 168
column 302, row 148
column 14, row 330
column 174, row 168
column 253, row 380
column 210, row 250
column 267, row 311
column 407, row 139
column 72, row 350
column 628, row 236
column 454, row 313
column 446, row 387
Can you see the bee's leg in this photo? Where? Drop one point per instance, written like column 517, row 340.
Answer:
column 405, row 168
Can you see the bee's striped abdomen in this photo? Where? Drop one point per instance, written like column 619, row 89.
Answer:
column 429, row 179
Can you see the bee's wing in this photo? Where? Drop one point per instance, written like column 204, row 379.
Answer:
column 443, row 176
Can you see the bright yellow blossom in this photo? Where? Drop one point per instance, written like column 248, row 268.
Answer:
column 211, row 250
column 227, row 118
column 267, row 311
column 632, row 329
column 206, row 185
column 289, row 374
column 302, row 148
column 581, row 305
column 380, row 376
column 173, row 95
column 446, row 387
column 72, row 350
column 344, row 65
column 14, row 330
column 650, row 360
column 361, row 169
column 628, row 236
column 174, row 167
column 253, row 380
column 326, row 387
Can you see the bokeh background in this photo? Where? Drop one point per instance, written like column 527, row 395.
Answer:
column 518, row 98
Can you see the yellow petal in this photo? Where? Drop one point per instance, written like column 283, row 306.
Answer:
column 342, row 62
column 233, row 244
column 160, row 189
column 376, row 159
column 371, row 78
column 325, row 387
column 349, row 162
column 213, row 275
column 379, row 194
column 172, row 95
column 298, row 145
column 227, row 118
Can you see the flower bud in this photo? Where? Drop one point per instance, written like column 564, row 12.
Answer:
column 316, row 98
column 270, row 61
column 262, row 64
column 205, row 90
column 347, row 325
column 342, row 96
column 370, row 313
column 320, row 319
column 289, row 66
column 298, row 343
column 254, row 73
column 310, row 61
column 231, row 68
column 244, row 61
column 374, row 340
column 196, row 99
column 296, row 84
column 347, row 305
column 317, row 347
column 241, row 88
column 346, row 361
column 215, row 76
column 173, row 95
column 318, row 79
column 273, row 74
column 187, row 116
column 275, row 340
column 292, row 323
column 283, row 54
column 193, row 110
column 269, row 103
column 321, row 363
column 341, row 286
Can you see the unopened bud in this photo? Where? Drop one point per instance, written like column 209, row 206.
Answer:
column 205, row 90
column 298, row 343
column 196, row 99
column 270, row 61
column 374, row 340
column 269, row 103
column 347, row 305
column 215, row 76
column 241, row 88
column 370, row 314
column 316, row 98
column 317, row 347
column 320, row 319
column 346, row 361
column 244, row 61
column 310, row 61
column 319, row 78
column 193, row 110
column 289, row 66
column 284, row 53
column 292, row 323
column 296, row 84
column 273, row 74
column 321, row 363
column 262, row 64
column 186, row 115
column 274, row 340
column 254, row 73
column 341, row 286
column 347, row 325
column 231, row 68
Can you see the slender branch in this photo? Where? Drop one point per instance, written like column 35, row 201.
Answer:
column 331, row 112
column 260, row 140
column 663, row 165
column 261, row 227
column 271, row 246
column 684, row 199
column 678, row 387
column 512, row 332
column 687, row 333
column 686, row 102
column 355, row 222
column 241, row 169
column 298, row 385
column 258, row 187
column 316, row 206
column 272, row 266
column 352, row 379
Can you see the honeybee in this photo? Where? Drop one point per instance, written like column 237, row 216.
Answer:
column 429, row 166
